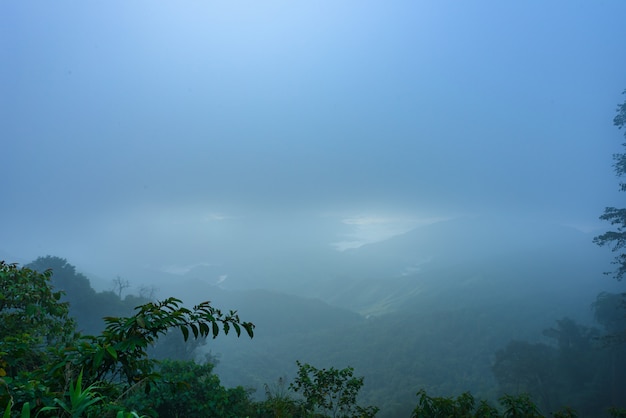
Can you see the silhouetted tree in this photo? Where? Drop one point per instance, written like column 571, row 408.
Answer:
column 119, row 285
column 523, row 367
column 147, row 292
column 85, row 305
column 616, row 239
column 609, row 312
column 64, row 276
column 610, row 308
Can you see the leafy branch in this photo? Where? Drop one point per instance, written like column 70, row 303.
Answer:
column 120, row 352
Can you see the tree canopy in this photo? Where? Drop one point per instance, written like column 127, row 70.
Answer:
column 42, row 354
column 31, row 318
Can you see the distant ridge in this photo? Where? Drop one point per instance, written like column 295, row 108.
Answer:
column 465, row 256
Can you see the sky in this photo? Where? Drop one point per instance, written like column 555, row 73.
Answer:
column 172, row 133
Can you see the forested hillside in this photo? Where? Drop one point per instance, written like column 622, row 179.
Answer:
column 443, row 330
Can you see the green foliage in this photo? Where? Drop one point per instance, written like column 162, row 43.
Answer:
column 173, row 346
column 120, row 352
column 78, row 401
column 188, row 389
column 32, row 318
column 24, row 414
column 113, row 371
column 40, row 352
column 566, row 412
column 519, row 406
column 464, row 406
column 279, row 403
column 133, row 414
column 332, row 391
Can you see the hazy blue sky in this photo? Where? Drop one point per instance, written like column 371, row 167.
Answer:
column 165, row 131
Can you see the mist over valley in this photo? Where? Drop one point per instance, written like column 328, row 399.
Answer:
column 410, row 189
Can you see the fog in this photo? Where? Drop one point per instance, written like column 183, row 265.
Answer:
column 162, row 133
column 293, row 145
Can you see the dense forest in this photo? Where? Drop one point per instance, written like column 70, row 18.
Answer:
column 447, row 352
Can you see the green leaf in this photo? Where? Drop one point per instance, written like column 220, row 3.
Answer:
column 98, row 358
column 111, row 352
column 204, row 329
column 7, row 411
column 141, row 322
column 185, row 332
column 26, row 410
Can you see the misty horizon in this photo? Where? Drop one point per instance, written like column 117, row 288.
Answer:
column 409, row 188
column 147, row 131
